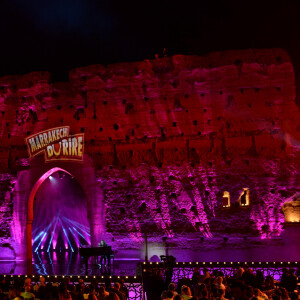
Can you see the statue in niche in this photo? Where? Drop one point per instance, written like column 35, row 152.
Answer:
column 243, row 198
column 226, row 199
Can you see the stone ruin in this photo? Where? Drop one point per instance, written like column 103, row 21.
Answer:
column 165, row 139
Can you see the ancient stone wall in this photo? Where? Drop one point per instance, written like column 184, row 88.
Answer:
column 167, row 137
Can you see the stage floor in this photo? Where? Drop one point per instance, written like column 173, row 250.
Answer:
column 69, row 263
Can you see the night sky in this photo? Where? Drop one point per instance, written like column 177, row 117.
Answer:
column 57, row 35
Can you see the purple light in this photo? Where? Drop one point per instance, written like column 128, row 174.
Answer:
column 60, row 212
column 52, row 235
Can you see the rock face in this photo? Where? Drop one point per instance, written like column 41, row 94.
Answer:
column 167, row 138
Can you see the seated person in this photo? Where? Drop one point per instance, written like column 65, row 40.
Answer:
column 27, row 294
column 102, row 244
column 104, row 258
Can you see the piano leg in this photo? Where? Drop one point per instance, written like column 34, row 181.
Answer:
column 109, row 264
column 86, row 260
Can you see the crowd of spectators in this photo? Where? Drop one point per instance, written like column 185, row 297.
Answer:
column 20, row 289
column 244, row 285
column 205, row 285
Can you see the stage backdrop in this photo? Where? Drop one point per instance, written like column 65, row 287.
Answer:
column 197, row 153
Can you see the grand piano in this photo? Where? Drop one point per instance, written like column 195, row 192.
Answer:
column 105, row 253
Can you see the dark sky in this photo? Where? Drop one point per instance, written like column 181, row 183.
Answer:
column 57, row 35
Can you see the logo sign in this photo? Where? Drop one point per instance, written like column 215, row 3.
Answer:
column 56, row 144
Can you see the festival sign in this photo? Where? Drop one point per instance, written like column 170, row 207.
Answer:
column 56, row 144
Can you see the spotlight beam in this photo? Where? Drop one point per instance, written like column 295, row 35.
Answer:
column 68, row 240
column 37, row 237
column 53, row 231
column 75, row 237
column 45, row 233
column 86, row 239
column 66, row 235
column 77, row 224
column 47, row 229
column 36, row 249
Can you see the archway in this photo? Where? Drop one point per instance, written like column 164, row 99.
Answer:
column 60, row 220
column 32, row 195
column 27, row 184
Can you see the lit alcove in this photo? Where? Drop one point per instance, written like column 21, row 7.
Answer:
column 291, row 209
column 244, row 199
column 60, row 215
column 226, row 199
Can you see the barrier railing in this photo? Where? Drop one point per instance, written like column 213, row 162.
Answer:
column 186, row 269
column 133, row 283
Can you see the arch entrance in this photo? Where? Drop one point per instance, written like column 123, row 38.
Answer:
column 60, row 220
column 27, row 185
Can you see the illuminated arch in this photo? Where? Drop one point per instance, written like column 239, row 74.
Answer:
column 244, row 198
column 226, row 199
column 26, row 187
column 30, row 210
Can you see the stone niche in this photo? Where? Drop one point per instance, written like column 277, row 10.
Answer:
column 165, row 139
column 291, row 209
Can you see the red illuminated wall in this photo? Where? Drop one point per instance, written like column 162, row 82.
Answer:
column 167, row 137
